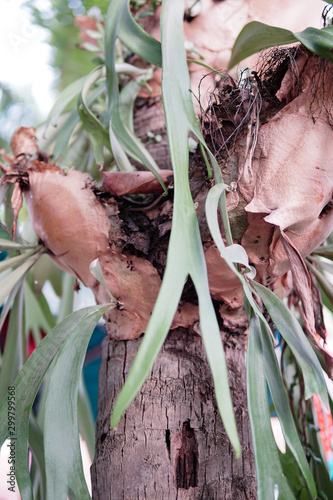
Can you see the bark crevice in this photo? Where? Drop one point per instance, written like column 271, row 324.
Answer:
column 171, row 443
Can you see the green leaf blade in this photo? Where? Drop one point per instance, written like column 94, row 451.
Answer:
column 318, row 41
column 211, row 337
column 256, row 36
column 64, row 471
column 185, row 255
column 36, row 444
column 268, row 466
column 14, row 354
column 12, row 245
column 123, row 141
column 97, row 133
column 281, row 405
column 138, row 40
column 8, row 283
column 26, row 386
column 293, row 334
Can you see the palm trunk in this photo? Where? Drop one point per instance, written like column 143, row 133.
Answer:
column 171, row 443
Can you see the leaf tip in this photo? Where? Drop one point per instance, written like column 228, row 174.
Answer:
column 237, row 448
column 114, row 420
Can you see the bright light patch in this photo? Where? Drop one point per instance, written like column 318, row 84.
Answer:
column 25, row 55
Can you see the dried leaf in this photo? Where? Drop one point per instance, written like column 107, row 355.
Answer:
column 302, row 282
column 187, row 315
column 23, row 141
column 135, row 284
column 292, row 167
column 16, row 201
column 58, row 205
column 125, row 183
column 74, row 227
column 224, row 285
column 318, row 308
column 256, row 240
column 289, row 198
column 303, row 285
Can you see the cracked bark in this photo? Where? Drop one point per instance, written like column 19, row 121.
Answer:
column 171, row 443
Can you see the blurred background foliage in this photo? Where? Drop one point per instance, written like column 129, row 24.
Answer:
column 68, row 61
column 14, row 109
column 58, row 18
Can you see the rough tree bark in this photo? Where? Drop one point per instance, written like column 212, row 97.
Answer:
column 171, row 443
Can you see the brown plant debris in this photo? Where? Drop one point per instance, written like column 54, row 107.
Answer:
column 73, row 225
column 77, row 226
column 271, row 135
column 274, row 132
column 140, row 182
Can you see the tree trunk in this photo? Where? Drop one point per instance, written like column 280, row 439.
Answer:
column 171, row 443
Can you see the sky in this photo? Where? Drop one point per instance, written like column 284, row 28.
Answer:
column 25, row 56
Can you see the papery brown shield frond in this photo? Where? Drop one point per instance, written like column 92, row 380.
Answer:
column 140, row 182
column 24, row 141
column 301, row 282
column 291, row 186
column 293, row 164
column 75, row 228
